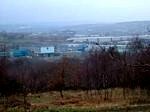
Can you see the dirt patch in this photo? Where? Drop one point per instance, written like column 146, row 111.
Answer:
column 66, row 101
column 38, row 107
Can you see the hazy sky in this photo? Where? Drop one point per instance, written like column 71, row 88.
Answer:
column 80, row 11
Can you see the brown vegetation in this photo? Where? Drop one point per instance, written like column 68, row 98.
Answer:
column 98, row 74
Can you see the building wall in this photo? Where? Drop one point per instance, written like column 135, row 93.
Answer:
column 47, row 50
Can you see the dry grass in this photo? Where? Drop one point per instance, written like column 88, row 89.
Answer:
column 80, row 99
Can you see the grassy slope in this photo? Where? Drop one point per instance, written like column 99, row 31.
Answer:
column 79, row 101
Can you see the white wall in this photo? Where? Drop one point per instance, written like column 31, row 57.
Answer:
column 47, row 50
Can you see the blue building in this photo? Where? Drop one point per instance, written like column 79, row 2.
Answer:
column 20, row 53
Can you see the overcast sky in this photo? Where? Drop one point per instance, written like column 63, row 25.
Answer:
column 79, row 11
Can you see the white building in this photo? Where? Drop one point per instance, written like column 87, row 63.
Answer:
column 47, row 50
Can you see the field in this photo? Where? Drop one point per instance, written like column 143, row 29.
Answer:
column 80, row 101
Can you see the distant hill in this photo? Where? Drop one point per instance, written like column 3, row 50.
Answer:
column 123, row 28
column 28, row 27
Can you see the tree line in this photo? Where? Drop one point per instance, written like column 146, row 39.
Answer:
column 101, row 69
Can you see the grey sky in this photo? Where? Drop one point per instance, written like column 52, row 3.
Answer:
column 82, row 11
